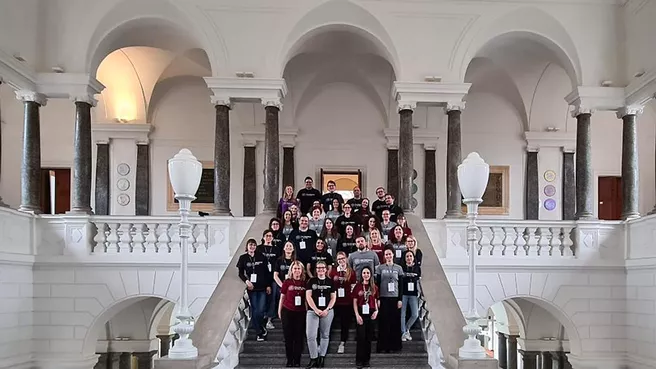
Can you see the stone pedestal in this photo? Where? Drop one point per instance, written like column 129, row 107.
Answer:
column 630, row 176
column 512, row 352
column 31, row 163
column 453, row 159
column 569, row 186
column 406, row 162
column 532, row 205
column 529, row 359
column 145, row 359
column 164, row 344
column 250, row 178
column 102, row 178
column 222, row 159
column 271, row 157
column 393, row 171
column 430, row 184
column 502, row 353
column 584, row 178
column 142, row 185
column 81, row 197
column 456, row 362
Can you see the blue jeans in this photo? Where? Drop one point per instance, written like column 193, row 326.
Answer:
column 272, row 301
column 257, row 308
column 413, row 303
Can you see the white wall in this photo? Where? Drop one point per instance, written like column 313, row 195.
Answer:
column 16, row 317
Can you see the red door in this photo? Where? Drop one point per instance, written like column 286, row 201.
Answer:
column 610, row 198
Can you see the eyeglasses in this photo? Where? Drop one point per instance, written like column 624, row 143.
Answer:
column 320, row 268
column 338, row 259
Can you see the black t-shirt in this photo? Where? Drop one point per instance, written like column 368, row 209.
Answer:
column 327, row 200
column 304, row 243
column 343, row 221
column 356, row 204
column 320, row 288
column 317, row 257
column 307, row 198
column 282, row 267
column 256, row 264
column 346, row 245
column 395, row 211
column 271, row 253
column 410, row 278
column 378, row 206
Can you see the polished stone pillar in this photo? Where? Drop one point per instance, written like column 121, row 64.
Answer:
column 529, row 359
column 453, row 159
column 222, row 158
column 430, row 184
column 271, row 156
column 145, row 359
column 546, row 360
column 569, row 186
column 2, row 203
column 557, row 360
column 81, row 198
column 630, row 170
column 164, row 344
column 532, row 198
column 113, row 359
column 125, row 361
column 250, row 194
column 142, row 185
column 406, row 160
column 103, row 361
column 584, row 184
column 502, row 351
column 287, row 166
column 512, row 352
column 31, row 164
column 393, row 171
column 102, row 178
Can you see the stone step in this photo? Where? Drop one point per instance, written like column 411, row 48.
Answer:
column 277, row 335
column 352, row 365
column 377, row 360
column 270, row 347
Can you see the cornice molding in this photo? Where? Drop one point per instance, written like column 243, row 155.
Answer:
column 104, row 132
column 74, row 86
column 642, row 90
column 428, row 138
column 537, row 140
column 439, row 93
column 18, row 75
column 629, row 110
column 270, row 91
column 588, row 99
column 28, row 95
column 287, row 137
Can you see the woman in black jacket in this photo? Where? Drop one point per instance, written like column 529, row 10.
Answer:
column 254, row 271
column 411, row 276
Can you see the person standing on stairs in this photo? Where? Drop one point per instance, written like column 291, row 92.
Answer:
column 388, row 276
column 271, row 253
column 320, row 296
column 362, row 258
column 411, row 245
column 281, row 268
column 365, row 308
column 377, row 245
column 320, row 255
column 344, row 280
column 253, row 270
column 411, row 276
column 291, row 311
column 397, row 242
column 306, row 196
column 304, row 239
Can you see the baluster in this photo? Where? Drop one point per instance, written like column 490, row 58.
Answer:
column 532, row 235
column 497, row 241
column 163, row 239
column 555, row 242
column 520, row 241
column 151, row 239
column 201, row 239
column 112, row 238
column 485, row 246
column 174, row 233
column 124, row 237
column 543, row 242
column 100, row 239
column 567, row 242
column 192, row 238
column 138, row 238
column 509, row 241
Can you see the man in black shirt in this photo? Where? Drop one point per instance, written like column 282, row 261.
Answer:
column 328, row 197
column 304, row 239
column 394, row 209
column 348, row 218
column 356, row 201
column 306, row 196
column 379, row 205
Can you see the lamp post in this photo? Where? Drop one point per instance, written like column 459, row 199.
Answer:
column 184, row 173
column 473, row 174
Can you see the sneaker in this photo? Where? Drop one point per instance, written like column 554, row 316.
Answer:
column 260, row 338
column 269, row 325
column 408, row 336
column 264, row 332
column 340, row 349
column 404, row 337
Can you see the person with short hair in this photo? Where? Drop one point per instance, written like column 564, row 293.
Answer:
column 379, row 205
column 253, row 270
column 304, row 239
column 307, row 195
column 292, row 311
column 315, row 220
column 356, row 200
column 271, row 253
column 320, row 296
column 362, row 258
column 328, row 197
column 394, row 209
column 386, row 225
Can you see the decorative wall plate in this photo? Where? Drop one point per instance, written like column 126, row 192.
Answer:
column 123, row 184
column 123, row 169
column 123, row 199
column 550, row 204
column 549, row 190
column 549, row 175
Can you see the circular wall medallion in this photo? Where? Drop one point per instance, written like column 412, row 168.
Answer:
column 123, row 169
column 123, row 184
column 549, row 190
column 550, row 204
column 550, row 176
column 123, row 199
column 414, row 174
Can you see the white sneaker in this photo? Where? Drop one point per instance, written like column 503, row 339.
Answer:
column 404, row 337
column 340, row 349
column 269, row 325
column 408, row 336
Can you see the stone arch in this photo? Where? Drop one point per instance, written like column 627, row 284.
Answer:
column 527, row 23
column 163, row 310
column 337, row 15
column 162, row 89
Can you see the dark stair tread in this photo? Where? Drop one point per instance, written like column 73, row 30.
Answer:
column 260, row 366
column 374, row 355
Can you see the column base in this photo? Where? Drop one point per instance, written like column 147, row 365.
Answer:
column 30, row 209
column 585, row 216
column 2, row 203
column 80, row 211
column 222, row 212
column 453, row 215
column 456, row 362
column 630, row 216
column 653, row 211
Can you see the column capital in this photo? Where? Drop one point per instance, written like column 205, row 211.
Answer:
column 406, row 105
column 587, row 99
column 577, row 110
column 85, row 98
column 629, row 110
column 27, row 95
column 74, row 86
column 532, row 149
column 274, row 102
column 222, row 101
column 454, row 105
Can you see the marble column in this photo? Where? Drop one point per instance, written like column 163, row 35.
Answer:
column 2, row 203
column 142, row 185
column 502, row 351
column 453, row 159
column 125, row 360
column 557, row 360
column 287, row 166
column 529, row 359
column 31, row 164
column 113, row 359
column 222, row 158
column 102, row 178
column 164, row 344
column 103, row 361
column 271, row 156
column 250, row 177
column 406, row 160
column 630, row 170
column 653, row 211
column 430, row 184
column 145, row 359
column 584, row 184
column 532, row 198
column 569, row 186
column 546, row 360
column 393, row 171
column 512, row 352
column 81, row 197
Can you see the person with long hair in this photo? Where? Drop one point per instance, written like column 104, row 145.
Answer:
column 271, row 253
column 288, row 224
column 335, row 210
column 278, row 236
column 371, row 224
column 376, row 245
column 320, row 296
column 330, row 235
column 365, row 309
column 411, row 276
column 397, row 243
column 291, row 311
column 344, row 280
column 364, row 211
column 286, row 200
column 386, row 225
column 403, row 222
column 253, row 270
column 284, row 262
column 320, row 255
column 388, row 277
column 346, row 219
column 315, row 222
column 412, row 245
column 346, row 242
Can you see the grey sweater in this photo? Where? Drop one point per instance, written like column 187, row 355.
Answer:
column 360, row 259
column 386, row 275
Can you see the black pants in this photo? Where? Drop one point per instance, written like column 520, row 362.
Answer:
column 293, row 328
column 389, row 325
column 345, row 314
column 364, row 334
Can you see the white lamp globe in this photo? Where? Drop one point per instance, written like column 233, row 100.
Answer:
column 473, row 174
column 184, row 173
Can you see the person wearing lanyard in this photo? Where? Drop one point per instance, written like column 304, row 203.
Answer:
column 388, row 276
column 343, row 278
column 397, row 241
column 304, row 239
column 320, row 255
column 411, row 275
column 271, row 253
column 253, row 270
column 320, row 296
column 284, row 262
column 365, row 307
column 291, row 312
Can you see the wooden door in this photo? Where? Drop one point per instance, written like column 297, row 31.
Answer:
column 610, row 198
column 61, row 191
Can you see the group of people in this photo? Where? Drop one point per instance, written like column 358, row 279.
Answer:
column 322, row 258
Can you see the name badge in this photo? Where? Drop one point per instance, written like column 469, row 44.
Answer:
column 390, row 287
column 411, row 287
column 385, row 238
column 341, row 292
column 398, row 254
column 269, row 265
column 253, row 278
column 322, row 301
column 301, row 245
column 365, row 309
column 297, row 300
column 330, row 251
